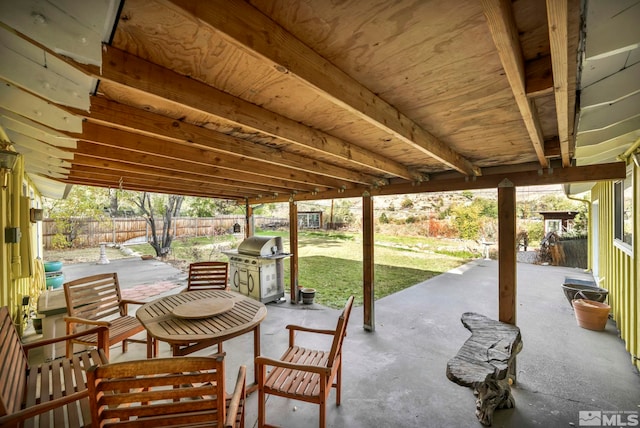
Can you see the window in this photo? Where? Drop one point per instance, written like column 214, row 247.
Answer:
column 623, row 211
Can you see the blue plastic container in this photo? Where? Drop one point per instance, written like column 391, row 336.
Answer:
column 55, row 281
column 52, row 266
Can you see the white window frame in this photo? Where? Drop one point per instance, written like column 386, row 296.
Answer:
column 619, row 189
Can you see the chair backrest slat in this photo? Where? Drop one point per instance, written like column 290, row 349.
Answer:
column 94, row 297
column 159, row 392
column 13, row 365
column 208, row 275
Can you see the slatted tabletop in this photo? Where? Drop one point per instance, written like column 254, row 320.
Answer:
column 186, row 335
column 158, row 319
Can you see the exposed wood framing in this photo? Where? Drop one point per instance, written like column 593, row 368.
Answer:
column 130, row 118
column 368, row 263
column 122, row 68
column 137, row 143
column 293, row 246
column 269, row 40
column 507, row 277
column 558, row 28
column 249, row 228
column 505, row 36
column 490, row 179
column 129, row 166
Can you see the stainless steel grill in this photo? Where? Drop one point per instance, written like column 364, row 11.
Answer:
column 256, row 268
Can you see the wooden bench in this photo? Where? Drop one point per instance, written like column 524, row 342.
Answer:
column 52, row 394
column 483, row 363
column 96, row 300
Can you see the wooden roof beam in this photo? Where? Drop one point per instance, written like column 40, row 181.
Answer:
column 505, row 36
column 151, row 182
column 557, row 15
column 123, row 140
column 165, row 187
column 125, row 69
column 142, row 161
column 131, row 118
column 490, row 179
column 88, row 165
column 249, row 29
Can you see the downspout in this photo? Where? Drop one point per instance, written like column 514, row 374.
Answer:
column 590, row 220
column 16, row 260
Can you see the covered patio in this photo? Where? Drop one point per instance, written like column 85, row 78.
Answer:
column 291, row 101
column 396, row 376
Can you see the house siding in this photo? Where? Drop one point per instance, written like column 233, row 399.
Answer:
column 21, row 272
column 619, row 270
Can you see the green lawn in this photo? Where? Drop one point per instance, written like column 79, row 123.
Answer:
column 331, row 262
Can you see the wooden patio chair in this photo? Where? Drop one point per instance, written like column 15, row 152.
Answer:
column 304, row 374
column 51, row 394
column 208, row 276
column 167, row 392
column 96, row 300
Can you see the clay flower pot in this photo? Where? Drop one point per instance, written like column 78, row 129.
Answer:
column 590, row 314
column 307, row 294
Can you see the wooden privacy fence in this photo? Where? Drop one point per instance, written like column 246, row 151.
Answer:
column 89, row 232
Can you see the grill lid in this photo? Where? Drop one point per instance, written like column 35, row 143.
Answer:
column 262, row 246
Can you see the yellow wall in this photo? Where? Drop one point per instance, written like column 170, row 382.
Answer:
column 21, row 273
column 619, row 271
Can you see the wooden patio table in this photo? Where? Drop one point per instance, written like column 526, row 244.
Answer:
column 193, row 328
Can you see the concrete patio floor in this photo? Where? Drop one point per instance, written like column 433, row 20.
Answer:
column 395, row 376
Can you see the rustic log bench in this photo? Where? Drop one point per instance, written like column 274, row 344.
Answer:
column 483, row 363
column 52, row 394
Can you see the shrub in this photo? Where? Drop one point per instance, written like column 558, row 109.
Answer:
column 467, row 221
column 535, row 229
column 406, row 203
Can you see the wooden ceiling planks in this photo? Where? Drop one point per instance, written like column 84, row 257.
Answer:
column 265, row 38
column 316, row 98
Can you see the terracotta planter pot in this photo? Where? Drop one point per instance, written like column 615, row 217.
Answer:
column 590, row 314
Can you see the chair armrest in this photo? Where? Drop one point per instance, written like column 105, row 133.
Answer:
column 292, row 327
column 239, row 394
column 99, row 330
column 265, row 361
column 21, row 415
column 132, row 302
column 76, row 320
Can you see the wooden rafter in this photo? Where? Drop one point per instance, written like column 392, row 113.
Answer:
column 165, row 187
column 489, row 179
column 142, row 160
column 136, row 143
column 86, row 165
column 557, row 15
column 267, row 39
column 131, row 118
column 150, row 182
column 505, row 36
column 133, row 72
